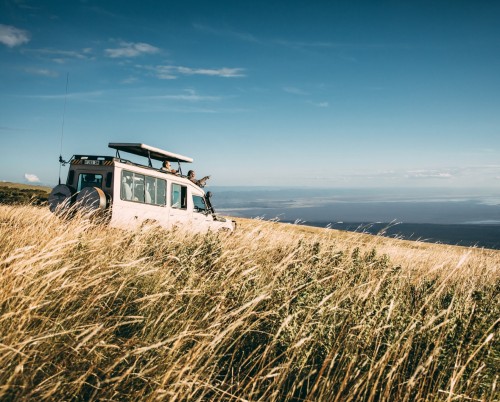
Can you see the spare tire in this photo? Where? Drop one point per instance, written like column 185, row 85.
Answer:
column 61, row 197
column 91, row 198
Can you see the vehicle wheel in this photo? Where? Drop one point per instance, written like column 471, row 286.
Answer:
column 61, row 197
column 91, row 198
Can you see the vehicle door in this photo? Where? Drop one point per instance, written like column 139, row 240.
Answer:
column 202, row 218
column 179, row 213
column 142, row 198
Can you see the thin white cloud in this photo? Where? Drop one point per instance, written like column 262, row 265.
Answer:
column 11, row 36
column 243, row 36
column 130, row 80
column 296, row 44
column 203, row 110
column 221, row 72
column 189, row 95
column 190, row 110
column 170, row 72
column 60, row 56
column 301, row 45
column 473, row 176
column 319, row 104
column 82, row 96
column 130, row 49
column 294, row 91
column 42, row 71
column 6, row 128
column 102, row 11
column 164, row 73
column 22, row 4
column 428, row 174
column 32, row 178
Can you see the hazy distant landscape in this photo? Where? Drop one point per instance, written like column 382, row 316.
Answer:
column 455, row 216
column 458, row 216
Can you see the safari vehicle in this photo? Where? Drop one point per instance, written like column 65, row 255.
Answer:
column 131, row 194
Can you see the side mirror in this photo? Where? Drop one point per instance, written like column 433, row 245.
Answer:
column 209, row 194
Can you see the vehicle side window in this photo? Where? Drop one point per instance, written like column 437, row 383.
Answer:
column 132, row 186
column 199, row 204
column 179, row 196
column 141, row 188
column 89, row 180
column 126, row 185
column 138, row 187
column 155, row 191
column 161, row 197
column 150, row 194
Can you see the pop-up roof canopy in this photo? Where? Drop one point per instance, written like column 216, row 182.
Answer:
column 149, row 152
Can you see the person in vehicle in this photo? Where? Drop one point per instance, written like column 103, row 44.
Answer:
column 127, row 187
column 201, row 183
column 166, row 166
column 90, row 180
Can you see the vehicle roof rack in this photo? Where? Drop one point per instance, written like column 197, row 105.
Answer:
column 148, row 152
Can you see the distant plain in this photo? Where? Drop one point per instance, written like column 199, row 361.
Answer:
column 468, row 217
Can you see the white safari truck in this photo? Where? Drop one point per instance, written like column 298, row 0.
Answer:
column 132, row 194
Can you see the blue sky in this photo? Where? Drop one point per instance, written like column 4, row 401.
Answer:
column 289, row 93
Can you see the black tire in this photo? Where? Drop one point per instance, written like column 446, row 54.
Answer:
column 61, row 197
column 92, row 199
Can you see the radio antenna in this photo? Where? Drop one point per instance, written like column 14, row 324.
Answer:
column 61, row 160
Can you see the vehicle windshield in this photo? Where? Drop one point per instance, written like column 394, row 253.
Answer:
column 89, row 180
column 199, row 204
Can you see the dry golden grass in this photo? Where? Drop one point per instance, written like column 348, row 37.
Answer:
column 272, row 312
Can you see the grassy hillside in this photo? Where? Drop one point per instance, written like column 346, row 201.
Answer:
column 273, row 312
column 16, row 194
column 21, row 186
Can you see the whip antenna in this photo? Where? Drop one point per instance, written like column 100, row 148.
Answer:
column 62, row 162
